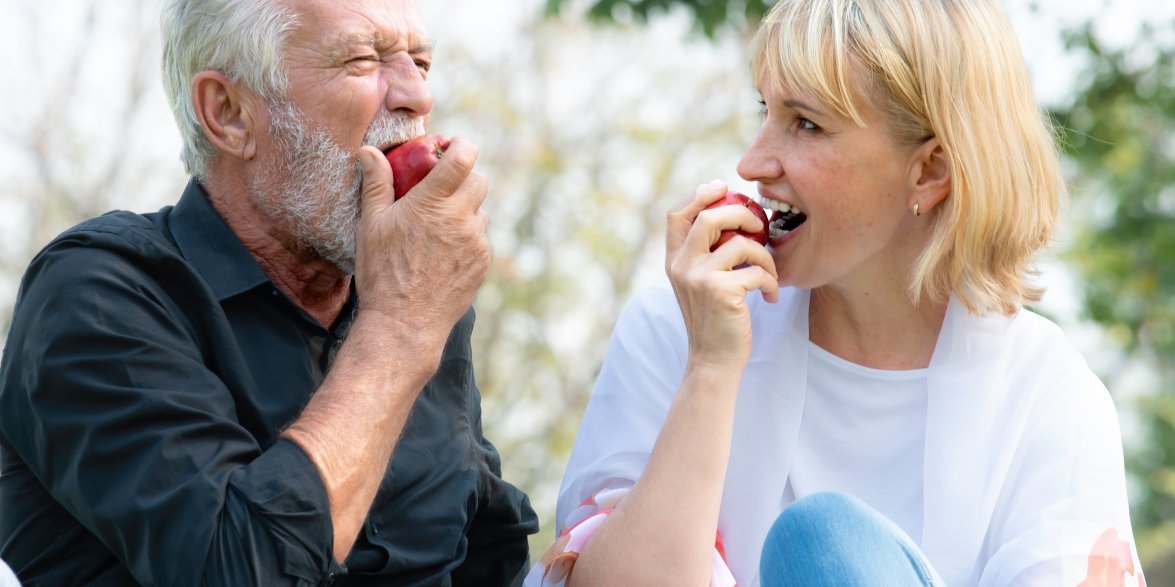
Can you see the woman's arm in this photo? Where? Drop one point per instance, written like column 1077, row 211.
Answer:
column 663, row 531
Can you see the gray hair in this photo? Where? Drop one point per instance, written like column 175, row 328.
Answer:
column 242, row 39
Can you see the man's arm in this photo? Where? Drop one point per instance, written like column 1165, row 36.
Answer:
column 419, row 264
column 112, row 399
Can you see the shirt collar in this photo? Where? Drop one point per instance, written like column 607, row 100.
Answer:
column 211, row 247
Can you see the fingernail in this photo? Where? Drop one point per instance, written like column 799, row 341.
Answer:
column 716, row 184
column 365, row 159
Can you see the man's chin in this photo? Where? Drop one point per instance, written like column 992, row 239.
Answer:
column 343, row 263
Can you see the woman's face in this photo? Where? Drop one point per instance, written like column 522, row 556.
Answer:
column 854, row 184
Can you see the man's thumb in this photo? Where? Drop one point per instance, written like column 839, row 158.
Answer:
column 377, row 179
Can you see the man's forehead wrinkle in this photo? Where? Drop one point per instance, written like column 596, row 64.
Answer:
column 375, row 39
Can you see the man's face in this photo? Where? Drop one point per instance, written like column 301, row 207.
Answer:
column 312, row 186
column 357, row 73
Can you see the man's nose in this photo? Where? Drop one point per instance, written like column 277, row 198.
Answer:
column 408, row 91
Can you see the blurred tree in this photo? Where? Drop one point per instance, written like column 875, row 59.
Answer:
column 709, row 15
column 1119, row 133
column 78, row 136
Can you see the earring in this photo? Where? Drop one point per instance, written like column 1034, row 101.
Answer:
column 916, row 212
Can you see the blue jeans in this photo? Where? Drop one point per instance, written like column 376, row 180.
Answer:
column 835, row 539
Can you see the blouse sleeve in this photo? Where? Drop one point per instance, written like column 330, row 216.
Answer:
column 1067, row 521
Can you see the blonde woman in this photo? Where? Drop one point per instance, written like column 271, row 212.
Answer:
column 866, row 401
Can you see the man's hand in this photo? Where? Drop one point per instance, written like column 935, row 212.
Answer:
column 422, row 259
column 418, row 264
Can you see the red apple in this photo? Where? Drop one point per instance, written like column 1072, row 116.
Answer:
column 737, row 199
column 413, row 160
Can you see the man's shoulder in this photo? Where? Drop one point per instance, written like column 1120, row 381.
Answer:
column 120, row 227
column 117, row 246
column 117, row 238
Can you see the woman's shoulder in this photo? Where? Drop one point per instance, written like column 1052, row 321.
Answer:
column 1037, row 343
column 1038, row 360
column 1024, row 337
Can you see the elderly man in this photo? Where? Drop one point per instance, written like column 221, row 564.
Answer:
column 269, row 383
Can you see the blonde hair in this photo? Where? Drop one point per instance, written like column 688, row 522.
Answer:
column 242, row 39
column 950, row 69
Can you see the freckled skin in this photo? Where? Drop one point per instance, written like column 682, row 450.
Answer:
column 851, row 181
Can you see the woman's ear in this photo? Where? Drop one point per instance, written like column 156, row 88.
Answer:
column 226, row 113
column 930, row 176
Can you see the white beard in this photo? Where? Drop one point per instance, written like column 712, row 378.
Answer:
column 312, row 188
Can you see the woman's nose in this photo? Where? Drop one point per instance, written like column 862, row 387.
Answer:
column 762, row 161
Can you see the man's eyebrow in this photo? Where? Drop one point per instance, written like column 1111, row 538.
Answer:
column 371, row 40
column 801, row 105
column 358, row 39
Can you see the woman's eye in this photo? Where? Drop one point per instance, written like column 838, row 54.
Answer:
column 805, row 124
column 762, row 109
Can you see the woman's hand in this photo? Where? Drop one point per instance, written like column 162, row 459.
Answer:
column 711, row 288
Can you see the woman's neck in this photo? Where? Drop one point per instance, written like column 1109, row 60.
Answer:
column 882, row 329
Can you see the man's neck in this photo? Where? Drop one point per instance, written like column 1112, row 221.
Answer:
column 314, row 284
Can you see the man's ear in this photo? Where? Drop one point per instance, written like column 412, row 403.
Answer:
column 227, row 114
column 930, row 176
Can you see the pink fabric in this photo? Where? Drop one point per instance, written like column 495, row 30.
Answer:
column 1109, row 563
column 556, row 564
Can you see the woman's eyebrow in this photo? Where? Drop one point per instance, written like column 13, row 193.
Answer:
column 801, row 105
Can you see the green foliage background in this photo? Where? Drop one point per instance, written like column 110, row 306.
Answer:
column 1120, row 139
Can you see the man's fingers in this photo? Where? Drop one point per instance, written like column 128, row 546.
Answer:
column 451, row 172
column 377, row 181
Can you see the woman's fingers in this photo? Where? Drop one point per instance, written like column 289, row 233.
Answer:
column 681, row 219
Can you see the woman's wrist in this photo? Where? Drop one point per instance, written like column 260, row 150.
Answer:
column 713, row 375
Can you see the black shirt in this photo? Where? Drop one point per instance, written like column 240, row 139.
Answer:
column 150, row 367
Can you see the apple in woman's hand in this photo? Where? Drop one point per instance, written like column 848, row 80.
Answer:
column 737, row 199
column 413, row 160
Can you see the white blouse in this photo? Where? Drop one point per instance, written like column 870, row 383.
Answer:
column 1022, row 479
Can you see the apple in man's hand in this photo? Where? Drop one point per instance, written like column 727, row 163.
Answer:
column 737, row 199
column 413, row 160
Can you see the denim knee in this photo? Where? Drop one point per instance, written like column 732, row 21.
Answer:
column 820, row 517
column 836, row 539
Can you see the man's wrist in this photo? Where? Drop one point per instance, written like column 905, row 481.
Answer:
column 406, row 345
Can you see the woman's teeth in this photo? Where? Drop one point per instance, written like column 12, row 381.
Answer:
column 785, row 219
column 775, row 229
column 778, row 206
